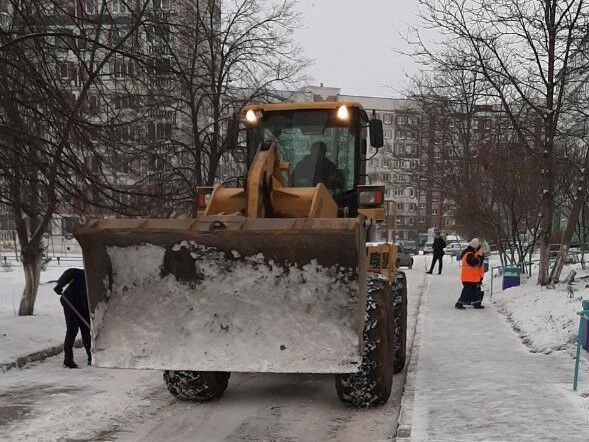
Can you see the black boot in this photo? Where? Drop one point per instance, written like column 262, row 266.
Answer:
column 89, row 359
column 478, row 306
column 70, row 364
column 459, row 306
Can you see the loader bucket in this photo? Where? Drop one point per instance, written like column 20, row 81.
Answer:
column 264, row 295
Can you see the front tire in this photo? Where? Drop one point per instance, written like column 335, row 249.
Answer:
column 196, row 386
column 399, row 321
column 372, row 384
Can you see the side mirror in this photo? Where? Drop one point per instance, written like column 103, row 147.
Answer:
column 376, row 133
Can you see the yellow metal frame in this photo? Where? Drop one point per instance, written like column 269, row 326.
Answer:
column 277, row 107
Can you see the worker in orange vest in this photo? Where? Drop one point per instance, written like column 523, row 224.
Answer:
column 472, row 271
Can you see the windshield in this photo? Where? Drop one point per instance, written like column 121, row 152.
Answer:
column 319, row 147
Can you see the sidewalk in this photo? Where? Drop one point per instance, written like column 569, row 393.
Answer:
column 476, row 381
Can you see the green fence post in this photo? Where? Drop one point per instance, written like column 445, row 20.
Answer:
column 584, row 314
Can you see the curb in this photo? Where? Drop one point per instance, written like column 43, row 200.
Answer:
column 23, row 361
column 405, row 420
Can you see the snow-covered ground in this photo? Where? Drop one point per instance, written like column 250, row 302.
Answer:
column 20, row 336
column 546, row 319
column 470, row 362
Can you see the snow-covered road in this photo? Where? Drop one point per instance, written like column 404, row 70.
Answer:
column 47, row 402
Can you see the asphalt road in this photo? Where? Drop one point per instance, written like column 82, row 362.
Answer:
column 47, row 402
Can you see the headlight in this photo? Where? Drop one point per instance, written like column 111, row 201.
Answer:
column 251, row 117
column 343, row 113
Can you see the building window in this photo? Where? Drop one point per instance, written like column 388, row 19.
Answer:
column 410, row 221
column 159, row 131
column 398, row 192
column 414, row 120
column 422, row 219
column 66, row 70
column 412, row 192
column 422, row 205
column 117, row 6
column 388, row 119
column 434, row 211
column 93, row 102
column 388, row 134
column 164, row 5
column 91, row 7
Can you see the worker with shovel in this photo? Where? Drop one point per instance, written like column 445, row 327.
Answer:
column 75, row 309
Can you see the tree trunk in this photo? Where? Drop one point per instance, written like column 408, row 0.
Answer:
column 32, row 267
column 545, row 235
column 565, row 241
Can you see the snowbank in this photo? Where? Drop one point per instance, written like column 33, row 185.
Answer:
column 546, row 319
column 20, row 336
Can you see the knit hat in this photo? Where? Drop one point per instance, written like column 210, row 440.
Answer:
column 475, row 243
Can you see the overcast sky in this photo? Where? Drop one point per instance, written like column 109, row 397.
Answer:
column 352, row 44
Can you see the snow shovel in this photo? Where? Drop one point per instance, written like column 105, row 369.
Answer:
column 78, row 314
column 261, row 295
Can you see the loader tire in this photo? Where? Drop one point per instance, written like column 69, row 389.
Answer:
column 399, row 321
column 196, row 386
column 372, row 384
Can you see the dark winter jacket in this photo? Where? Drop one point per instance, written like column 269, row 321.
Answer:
column 472, row 260
column 438, row 246
column 75, row 280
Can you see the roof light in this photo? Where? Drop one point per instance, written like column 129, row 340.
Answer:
column 343, row 113
column 251, row 117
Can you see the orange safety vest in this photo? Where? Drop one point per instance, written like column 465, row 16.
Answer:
column 468, row 273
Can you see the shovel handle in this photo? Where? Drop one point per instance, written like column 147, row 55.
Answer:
column 78, row 314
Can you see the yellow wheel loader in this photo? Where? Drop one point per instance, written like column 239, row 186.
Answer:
column 293, row 273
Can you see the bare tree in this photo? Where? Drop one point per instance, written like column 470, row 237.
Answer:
column 219, row 55
column 522, row 49
column 494, row 194
column 48, row 129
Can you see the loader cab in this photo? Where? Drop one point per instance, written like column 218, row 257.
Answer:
column 322, row 143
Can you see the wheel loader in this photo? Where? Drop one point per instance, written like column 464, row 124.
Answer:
column 292, row 273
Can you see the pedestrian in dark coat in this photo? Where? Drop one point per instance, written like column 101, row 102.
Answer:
column 471, row 275
column 438, row 250
column 75, row 293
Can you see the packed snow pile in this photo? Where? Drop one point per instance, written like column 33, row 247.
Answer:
column 214, row 312
column 546, row 319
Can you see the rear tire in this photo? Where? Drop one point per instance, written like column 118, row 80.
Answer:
column 399, row 321
column 196, row 386
column 372, row 384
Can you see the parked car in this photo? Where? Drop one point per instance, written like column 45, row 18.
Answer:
column 455, row 248
column 404, row 258
column 410, row 247
column 428, row 248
